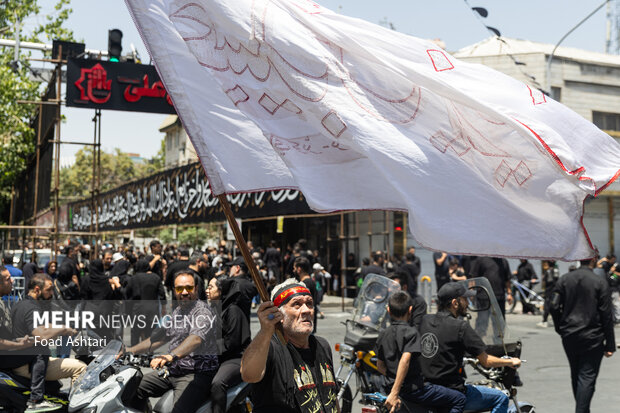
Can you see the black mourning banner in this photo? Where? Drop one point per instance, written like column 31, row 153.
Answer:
column 99, row 84
column 178, row 196
column 23, row 207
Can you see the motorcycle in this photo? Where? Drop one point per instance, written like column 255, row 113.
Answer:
column 15, row 390
column 357, row 356
column 358, row 359
column 109, row 383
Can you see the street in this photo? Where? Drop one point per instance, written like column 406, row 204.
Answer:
column 545, row 375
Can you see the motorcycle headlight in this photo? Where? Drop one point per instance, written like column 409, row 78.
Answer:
column 347, row 352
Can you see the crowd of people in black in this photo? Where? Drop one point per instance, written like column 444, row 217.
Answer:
column 135, row 281
column 175, row 274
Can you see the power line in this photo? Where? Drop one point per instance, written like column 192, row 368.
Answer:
column 481, row 13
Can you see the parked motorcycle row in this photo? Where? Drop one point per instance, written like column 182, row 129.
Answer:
column 110, row 380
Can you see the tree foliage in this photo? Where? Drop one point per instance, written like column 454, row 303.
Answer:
column 117, row 168
column 194, row 237
column 166, row 236
column 18, row 82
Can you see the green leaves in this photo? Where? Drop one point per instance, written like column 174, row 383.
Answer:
column 117, row 168
column 17, row 137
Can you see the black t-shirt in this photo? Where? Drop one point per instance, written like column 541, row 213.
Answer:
column 442, row 275
column 22, row 314
column 235, row 333
column 271, row 394
column 417, row 263
column 419, row 310
column 445, row 340
column 311, row 284
column 371, row 269
column 413, row 271
column 525, row 272
column 145, row 286
column 583, row 315
column 157, row 267
column 248, row 291
column 496, row 270
column 272, row 257
column 395, row 340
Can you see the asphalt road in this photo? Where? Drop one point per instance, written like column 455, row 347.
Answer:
column 546, row 374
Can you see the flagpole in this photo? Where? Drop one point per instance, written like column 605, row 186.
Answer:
column 247, row 257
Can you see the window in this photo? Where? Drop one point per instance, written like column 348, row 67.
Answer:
column 606, row 121
column 556, row 93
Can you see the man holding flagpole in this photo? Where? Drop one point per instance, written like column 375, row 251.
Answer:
column 297, row 376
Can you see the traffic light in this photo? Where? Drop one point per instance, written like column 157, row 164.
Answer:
column 115, row 37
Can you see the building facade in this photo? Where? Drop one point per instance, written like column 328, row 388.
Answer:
column 179, row 149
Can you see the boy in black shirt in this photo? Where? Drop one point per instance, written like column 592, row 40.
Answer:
column 398, row 352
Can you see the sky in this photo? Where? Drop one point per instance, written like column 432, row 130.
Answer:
column 449, row 20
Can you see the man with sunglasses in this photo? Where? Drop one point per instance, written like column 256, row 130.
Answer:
column 191, row 360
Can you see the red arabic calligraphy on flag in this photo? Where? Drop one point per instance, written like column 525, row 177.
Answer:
column 287, row 94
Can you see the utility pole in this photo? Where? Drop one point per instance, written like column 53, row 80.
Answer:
column 550, row 59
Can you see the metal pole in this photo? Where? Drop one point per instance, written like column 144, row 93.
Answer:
column 386, row 234
column 36, row 176
column 44, row 47
column 57, row 147
column 405, row 229
column 24, row 227
column 93, row 187
column 548, row 70
column 357, row 236
column 370, row 233
column 11, row 212
column 343, row 261
column 247, row 257
column 610, row 206
column 98, row 188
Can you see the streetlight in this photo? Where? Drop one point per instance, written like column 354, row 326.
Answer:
column 548, row 71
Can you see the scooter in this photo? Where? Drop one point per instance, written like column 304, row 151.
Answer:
column 109, row 383
column 358, row 359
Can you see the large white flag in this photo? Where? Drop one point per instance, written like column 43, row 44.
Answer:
column 287, row 94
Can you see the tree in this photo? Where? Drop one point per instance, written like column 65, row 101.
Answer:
column 156, row 163
column 18, row 82
column 195, row 237
column 117, row 169
column 165, row 236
